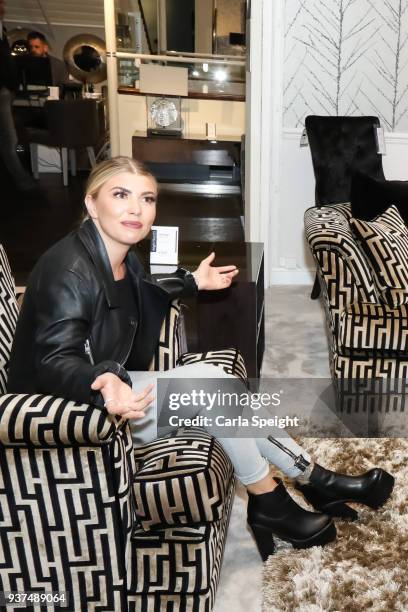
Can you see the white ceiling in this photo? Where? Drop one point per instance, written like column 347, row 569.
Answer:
column 64, row 12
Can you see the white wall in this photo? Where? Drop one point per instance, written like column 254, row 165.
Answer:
column 278, row 196
column 290, row 260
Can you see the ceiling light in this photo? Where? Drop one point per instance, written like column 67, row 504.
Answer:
column 220, row 75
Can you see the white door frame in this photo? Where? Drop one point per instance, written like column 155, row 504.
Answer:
column 112, row 76
column 264, row 93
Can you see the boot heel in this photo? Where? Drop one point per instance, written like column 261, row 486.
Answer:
column 335, row 508
column 264, row 540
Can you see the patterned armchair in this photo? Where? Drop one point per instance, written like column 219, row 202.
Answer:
column 83, row 512
column 368, row 340
column 368, row 348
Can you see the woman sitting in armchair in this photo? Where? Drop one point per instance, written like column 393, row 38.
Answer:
column 88, row 329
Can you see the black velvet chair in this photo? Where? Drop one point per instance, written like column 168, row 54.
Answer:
column 341, row 146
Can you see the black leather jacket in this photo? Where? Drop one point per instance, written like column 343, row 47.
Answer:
column 71, row 328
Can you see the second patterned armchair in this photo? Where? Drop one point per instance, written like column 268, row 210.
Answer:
column 368, row 340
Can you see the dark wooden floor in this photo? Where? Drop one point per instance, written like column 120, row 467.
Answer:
column 31, row 224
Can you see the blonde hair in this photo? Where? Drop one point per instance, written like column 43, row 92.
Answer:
column 109, row 168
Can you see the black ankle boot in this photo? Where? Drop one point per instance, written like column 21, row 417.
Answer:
column 329, row 492
column 276, row 513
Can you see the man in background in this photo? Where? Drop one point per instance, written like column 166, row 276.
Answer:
column 8, row 137
column 39, row 47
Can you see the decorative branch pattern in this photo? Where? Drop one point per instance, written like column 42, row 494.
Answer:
column 347, row 57
column 391, row 66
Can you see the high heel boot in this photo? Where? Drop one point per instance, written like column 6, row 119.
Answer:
column 276, row 513
column 329, row 492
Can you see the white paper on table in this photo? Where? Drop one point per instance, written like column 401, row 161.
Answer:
column 164, row 245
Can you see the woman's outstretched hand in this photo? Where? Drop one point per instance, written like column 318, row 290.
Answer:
column 210, row 277
column 119, row 397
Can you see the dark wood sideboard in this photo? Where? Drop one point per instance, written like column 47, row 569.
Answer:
column 188, row 158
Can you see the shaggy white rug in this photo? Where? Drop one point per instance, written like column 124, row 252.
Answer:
column 366, row 568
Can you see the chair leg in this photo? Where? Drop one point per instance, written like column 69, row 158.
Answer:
column 91, row 155
column 34, row 159
column 72, row 161
column 64, row 158
column 316, row 288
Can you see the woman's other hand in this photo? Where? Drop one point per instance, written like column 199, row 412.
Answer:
column 119, row 397
column 210, row 277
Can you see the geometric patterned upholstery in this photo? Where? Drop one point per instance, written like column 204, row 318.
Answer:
column 230, row 360
column 8, row 316
column 342, row 268
column 66, row 512
column 181, row 480
column 179, row 564
column 176, row 563
column 348, row 289
column 71, row 499
column 172, row 341
column 47, row 422
column 385, row 244
column 374, row 327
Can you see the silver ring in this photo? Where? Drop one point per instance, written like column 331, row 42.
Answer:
column 111, row 399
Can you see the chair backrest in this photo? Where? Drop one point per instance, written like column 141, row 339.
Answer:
column 72, row 123
column 340, row 146
column 172, row 341
column 8, row 316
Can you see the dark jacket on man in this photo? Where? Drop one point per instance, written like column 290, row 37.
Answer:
column 71, row 327
column 59, row 72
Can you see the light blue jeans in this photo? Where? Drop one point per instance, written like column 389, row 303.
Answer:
column 250, row 456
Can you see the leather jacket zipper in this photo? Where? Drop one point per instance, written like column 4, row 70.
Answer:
column 132, row 337
column 122, row 361
column 87, row 347
column 300, row 462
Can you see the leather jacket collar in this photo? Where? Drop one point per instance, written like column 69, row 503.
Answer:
column 92, row 241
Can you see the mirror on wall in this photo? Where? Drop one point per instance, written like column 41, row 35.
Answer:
column 215, row 27
column 85, row 57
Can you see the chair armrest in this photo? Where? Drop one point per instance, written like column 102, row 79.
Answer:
column 230, row 360
column 343, row 271
column 328, row 234
column 181, row 480
column 47, row 421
